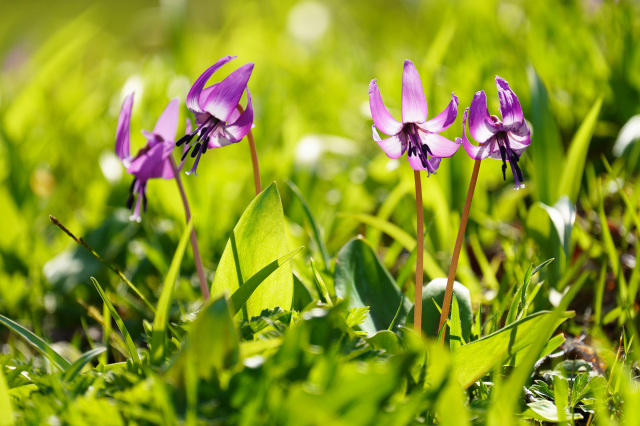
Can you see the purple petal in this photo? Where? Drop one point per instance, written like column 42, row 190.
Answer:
column 521, row 129
column 193, row 97
column 509, row 103
column 122, row 132
column 518, row 143
column 393, row 146
column 443, row 120
column 219, row 142
column 164, row 169
column 481, row 125
column 439, row 145
column 143, row 166
column 475, row 152
column 241, row 126
column 167, row 124
column 381, row 117
column 416, row 164
column 414, row 103
column 224, row 98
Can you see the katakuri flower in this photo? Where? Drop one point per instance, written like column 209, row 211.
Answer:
column 218, row 121
column 503, row 140
column 153, row 160
column 415, row 133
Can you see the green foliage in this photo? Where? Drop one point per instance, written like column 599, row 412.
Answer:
column 255, row 242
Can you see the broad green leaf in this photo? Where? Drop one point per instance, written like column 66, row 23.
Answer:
column 131, row 347
column 301, row 294
column 431, row 267
column 577, row 155
column 546, row 411
column 211, row 345
column 362, row 280
column 549, row 347
column 317, row 233
column 257, row 239
column 79, row 363
column 6, row 418
column 474, row 360
column 455, row 339
column 386, row 340
column 240, row 297
column 546, row 150
column 38, row 344
column 161, row 320
column 561, row 396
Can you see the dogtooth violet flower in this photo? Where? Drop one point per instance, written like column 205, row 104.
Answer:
column 415, row 133
column 503, row 140
column 217, row 119
column 153, row 160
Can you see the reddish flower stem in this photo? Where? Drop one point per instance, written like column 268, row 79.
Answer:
column 446, row 303
column 417, row 306
column 254, row 157
column 204, row 288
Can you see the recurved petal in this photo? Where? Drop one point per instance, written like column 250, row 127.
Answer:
column 481, row 125
column 393, row 146
column 518, row 143
column 143, row 166
column 242, row 124
column 224, row 98
column 416, row 164
column 193, row 97
column 475, row 152
column 219, row 142
column 520, row 128
column 167, row 124
column 164, row 169
column 122, row 130
column 414, row 103
column 509, row 103
column 439, row 145
column 381, row 117
column 443, row 120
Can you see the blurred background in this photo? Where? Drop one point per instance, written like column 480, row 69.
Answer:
column 65, row 69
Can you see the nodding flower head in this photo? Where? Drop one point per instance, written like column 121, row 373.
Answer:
column 415, row 133
column 503, row 140
column 218, row 121
column 153, row 160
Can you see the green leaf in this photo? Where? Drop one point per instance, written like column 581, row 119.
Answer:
column 79, row 363
column 35, row 341
column 131, row 347
column 257, row 239
column 321, row 287
column 243, row 294
column 362, row 280
column 520, row 298
column 547, row 152
column 577, row 155
column 161, row 320
column 474, row 360
column 455, row 339
column 549, row 347
column 431, row 267
column 562, row 215
column 211, row 345
column 5, row 403
column 386, row 340
column 317, row 233
column 545, row 411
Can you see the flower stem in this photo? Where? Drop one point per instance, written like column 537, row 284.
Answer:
column 446, row 303
column 204, row 288
column 254, row 157
column 417, row 306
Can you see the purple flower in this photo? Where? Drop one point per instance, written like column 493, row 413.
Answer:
column 218, row 122
column 415, row 133
column 153, row 160
column 501, row 140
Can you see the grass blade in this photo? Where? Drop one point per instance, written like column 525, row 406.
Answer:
column 455, row 333
column 77, row 365
column 577, row 155
column 5, row 403
column 317, row 234
column 123, row 329
column 161, row 320
column 244, row 292
column 37, row 342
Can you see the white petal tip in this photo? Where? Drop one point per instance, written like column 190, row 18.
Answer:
column 134, row 218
